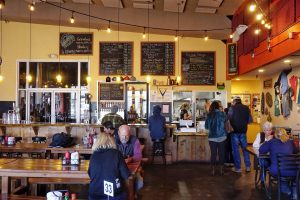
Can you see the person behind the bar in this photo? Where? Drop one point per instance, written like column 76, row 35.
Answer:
column 116, row 119
column 108, row 128
column 107, row 164
column 216, row 136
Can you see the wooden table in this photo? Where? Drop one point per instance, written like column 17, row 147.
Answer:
column 25, row 148
column 51, row 168
column 82, row 149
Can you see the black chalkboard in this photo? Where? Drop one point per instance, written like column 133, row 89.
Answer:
column 157, row 58
column 76, row 43
column 116, row 58
column 110, row 91
column 232, row 67
column 198, row 68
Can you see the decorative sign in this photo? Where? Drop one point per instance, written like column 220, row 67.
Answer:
column 116, row 58
column 157, row 58
column 76, row 43
column 232, row 67
column 110, row 91
column 198, row 68
column 268, row 83
column 108, row 188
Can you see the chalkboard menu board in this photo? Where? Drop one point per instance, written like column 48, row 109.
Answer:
column 232, row 67
column 157, row 58
column 110, row 91
column 116, row 58
column 76, row 43
column 198, row 68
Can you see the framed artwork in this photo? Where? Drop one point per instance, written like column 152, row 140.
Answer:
column 268, row 83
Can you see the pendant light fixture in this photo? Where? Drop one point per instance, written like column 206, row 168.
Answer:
column 88, row 78
column 1, row 7
column 31, row 9
column 178, row 78
column 59, row 76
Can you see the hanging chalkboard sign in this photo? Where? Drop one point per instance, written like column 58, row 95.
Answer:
column 157, row 58
column 232, row 67
column 76, row 43
column 110, row 91
column 198, row 68
column 116, row 58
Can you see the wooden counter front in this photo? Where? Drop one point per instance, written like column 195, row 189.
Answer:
column 192, row 147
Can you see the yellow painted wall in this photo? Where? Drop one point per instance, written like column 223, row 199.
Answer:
column 45, row 41
column 245, row 86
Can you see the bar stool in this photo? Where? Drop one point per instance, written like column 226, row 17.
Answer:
column 158, row 149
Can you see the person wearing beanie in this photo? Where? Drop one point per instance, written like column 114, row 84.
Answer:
column 157, row 124
column 116, row 119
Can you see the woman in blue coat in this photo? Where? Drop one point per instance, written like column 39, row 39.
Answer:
column 216, row 136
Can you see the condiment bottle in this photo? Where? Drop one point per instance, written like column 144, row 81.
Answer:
column 73, row 196
column 68, row 157
column 67, row 196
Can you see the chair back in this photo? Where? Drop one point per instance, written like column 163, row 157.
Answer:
column 288, row 163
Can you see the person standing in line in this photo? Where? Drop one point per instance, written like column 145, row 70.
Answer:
column 107, row 164
column 157, row 124
column 216, row 136
column 239, row 116
column 116, row 119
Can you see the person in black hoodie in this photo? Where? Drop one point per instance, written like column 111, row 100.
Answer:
column 157, row 124
column 107, row 164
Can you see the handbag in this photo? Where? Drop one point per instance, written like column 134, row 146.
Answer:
column 228, row 127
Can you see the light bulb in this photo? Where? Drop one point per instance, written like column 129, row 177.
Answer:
column 148, row 79
column 206, row 38
column 88, row 79
column 1, row 5
column 1, row 78
column 29, row 78
column 58, row 78
column 252, row 7
column 231, row 36
column 262, row 21
column 257, row 31
column 118, row 78
column 178, row 79
column 108, row 29
column 31, row 7
column 144, row 35
column 176, row 38
column 259, row 17
column 72, row 20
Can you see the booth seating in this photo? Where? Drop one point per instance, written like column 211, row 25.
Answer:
column 158, row 149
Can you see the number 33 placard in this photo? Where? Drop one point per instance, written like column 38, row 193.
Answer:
column 108, row 188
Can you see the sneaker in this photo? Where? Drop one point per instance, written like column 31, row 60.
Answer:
column 248, row 169
column 236, row 170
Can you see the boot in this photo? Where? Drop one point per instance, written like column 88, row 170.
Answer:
column 221, row 170
column 213, row 170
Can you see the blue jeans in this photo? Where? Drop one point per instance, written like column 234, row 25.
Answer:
column 236, row 139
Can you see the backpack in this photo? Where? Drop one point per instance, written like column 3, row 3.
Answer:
column 62, row 140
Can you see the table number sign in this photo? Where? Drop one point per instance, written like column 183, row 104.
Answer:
column 108, row 188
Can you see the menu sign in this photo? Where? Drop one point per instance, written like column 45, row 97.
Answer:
column 116, row 58
column 76, row 43
column 157, row 58
column 232, row 67
column 111, row 91
column 198, row 68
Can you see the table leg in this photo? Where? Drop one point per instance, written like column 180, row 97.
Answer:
column 5, row 185
column 131, row 188
column 3, row 129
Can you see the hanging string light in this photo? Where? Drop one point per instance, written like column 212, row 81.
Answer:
column 1, row 77
column 205, row 35
column 88, row 78
column 32, row 6
column 59, row 76
column 72, row 19
column 29, row 77
column 178, row 78
column 144, row 33
column 2, row 4
column 108, row 28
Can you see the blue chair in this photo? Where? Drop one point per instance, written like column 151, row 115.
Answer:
column 290, row 163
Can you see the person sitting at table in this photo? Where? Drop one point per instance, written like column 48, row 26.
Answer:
column 128, row 144
column 107, row 164
column 261, row 137
column 109, row 128
column 280, row 144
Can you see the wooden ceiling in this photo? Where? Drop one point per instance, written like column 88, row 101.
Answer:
column 195, row 16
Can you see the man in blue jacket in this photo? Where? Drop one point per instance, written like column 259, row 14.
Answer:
column 157, row 124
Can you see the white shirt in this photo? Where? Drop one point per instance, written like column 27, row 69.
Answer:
column 256, row 144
